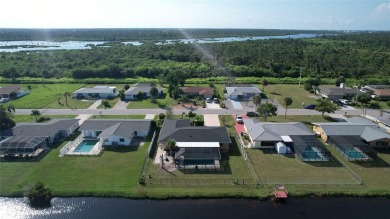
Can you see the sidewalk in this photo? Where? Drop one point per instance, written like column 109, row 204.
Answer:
column 95, row 105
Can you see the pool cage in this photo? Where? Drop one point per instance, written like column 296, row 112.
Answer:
column 22, row 146
column 353, row 148
column 309, row 148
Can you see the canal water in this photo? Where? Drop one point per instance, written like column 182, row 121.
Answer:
column 316, row 208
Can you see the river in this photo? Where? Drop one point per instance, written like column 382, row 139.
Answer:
column 18, row 46
column 327, row 208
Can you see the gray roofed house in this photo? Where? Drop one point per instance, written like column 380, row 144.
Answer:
column 99, row 91
column 385, row 120
column 370, row 132
column 336, row 93
column 236, row 93
column 196, row 144
column 6, row 92
column 32, row 138
column 115, row 131
column 132, row 92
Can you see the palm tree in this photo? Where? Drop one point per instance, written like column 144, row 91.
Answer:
column 257, row 100
column 35, row 113
column 287, row 102
column 66, row 94
column 264, row 83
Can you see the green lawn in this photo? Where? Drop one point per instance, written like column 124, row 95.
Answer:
column 297, row 94
column 118, row 117
column 114, row 173
column 47, row 97
column 111, row 102
column 29, row 118
column 162, row 102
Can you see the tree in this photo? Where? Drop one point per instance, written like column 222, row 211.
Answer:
column 264, row 83
column 6, row 121
column 267, row 110
column 153, row 92
column 66, row 94
column 35, row 113
column 287, row 102
column 340, row 80
column 257, row 100
column 140, row 95
column 170, row 146
column 184, row 99
column 324, row 105
column 106, row 104
column 127, row 87
column 168, row 112
column 364, row 99
column 39, row 196
column 121, row 94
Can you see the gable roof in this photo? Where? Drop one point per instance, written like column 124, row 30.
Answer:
column 181, row 131
column 199, row 90
column 96, row 90
column 242, row 90
column 385, row 120
column 274, row 131
column 40, row 129
column 332, row 91
column 119, row 127
column 140, row 87
column 9, row 89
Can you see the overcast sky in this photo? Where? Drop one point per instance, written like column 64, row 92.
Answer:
column 256, row 14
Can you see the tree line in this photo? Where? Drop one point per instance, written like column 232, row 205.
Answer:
column 363, row 55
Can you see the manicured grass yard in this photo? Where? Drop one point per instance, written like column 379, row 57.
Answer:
column 29, row 118
column 118, row 117
column 162, row 102
column 297, row 94
column 114, row 173
column 47, row 97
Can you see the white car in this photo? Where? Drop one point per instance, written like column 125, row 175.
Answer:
column 239, row 119
column 344, row 101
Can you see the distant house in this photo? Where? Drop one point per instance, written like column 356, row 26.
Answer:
column 197, row 145
column 354, row 138
column 104, row 92
column 242, row 93
column 336, row 93
column 132, row 92
column 115, row 131
column 294, row 135
column 30, row 139
column 204, row 92
column 9, row 91
column 381, row 92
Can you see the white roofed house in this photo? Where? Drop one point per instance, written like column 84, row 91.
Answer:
column 115, row 132
column 244, row 93
column 132, row 92
column 96, row 92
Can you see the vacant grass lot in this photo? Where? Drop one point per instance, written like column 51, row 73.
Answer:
column 114, row 173
column 297, row 94
column 48, row 97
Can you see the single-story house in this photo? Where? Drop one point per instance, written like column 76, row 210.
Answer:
column 113, row 132
column 7, row 92
column 336, row 93
column 238, row 93
column 32, row 138
column 378, row 91
column 355, row 138
column 104, row 92
column 385, row 120
column 294, row 135
column 197, row 145
column 132, row 92
column 204, row 92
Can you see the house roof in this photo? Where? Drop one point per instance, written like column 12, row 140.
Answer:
column 199, row 90
column 119, row 127
column 181, row 131
column 96, row 90
column 242, row 90
column 274, row 131
column 359, row 120
column 40, row 129
column 379, row 90
column 140, row 87
column 385, row 120
column 9, row 89
column 333, row 91
column 21, row 142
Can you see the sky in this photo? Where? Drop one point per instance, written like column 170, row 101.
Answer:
column 251, row 14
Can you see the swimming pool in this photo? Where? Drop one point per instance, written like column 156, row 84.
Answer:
column 354, row 154
column 313, row 154
column 85, row 146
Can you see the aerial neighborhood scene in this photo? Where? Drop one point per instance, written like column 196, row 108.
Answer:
column 218, row 107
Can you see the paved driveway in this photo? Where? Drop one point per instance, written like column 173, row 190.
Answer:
column 95, row 105
column 121, row 104
column 236, row 104
column 211, row 120
column 213, row 106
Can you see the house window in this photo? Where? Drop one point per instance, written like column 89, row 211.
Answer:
column 105, row 139
column 122, row 140
column 381, row 143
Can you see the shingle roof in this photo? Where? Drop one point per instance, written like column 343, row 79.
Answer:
column 181, row 131
column 273, row 131
column 96, row 90
column 119, row 127
column 140, row 87
column 40, row 129
column 242, row 90
column 385, row 120
column 359, row 120
column 337, row 91
column 9, row 89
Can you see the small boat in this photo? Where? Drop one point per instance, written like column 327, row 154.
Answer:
column 280, row 193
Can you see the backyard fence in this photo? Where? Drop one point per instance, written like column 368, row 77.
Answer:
column 245, row 155
column 148, row 158
column 202, row 182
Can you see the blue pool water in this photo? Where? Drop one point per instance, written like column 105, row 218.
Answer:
column 85, row 146
column 354, row 154
column 311, row 154
column 198, row 162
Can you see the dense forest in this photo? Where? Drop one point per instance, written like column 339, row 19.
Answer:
column 357, row 55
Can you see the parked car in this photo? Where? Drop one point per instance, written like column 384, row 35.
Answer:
column 3, row 100
column 344, row 101
column 251, row 113
column 208, row 100
column 239, row 119
column 310, row 106
column 216, row 100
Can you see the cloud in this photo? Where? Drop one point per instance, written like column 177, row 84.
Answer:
column 382, row 9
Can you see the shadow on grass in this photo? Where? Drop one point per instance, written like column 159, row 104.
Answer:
column 121, row 149
column 376, row 162
column 333, row 162
column 234, row 149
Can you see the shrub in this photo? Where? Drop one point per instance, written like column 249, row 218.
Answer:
column 161, row 116
column 191, row 114
column 39, row 196
column 43, row 119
